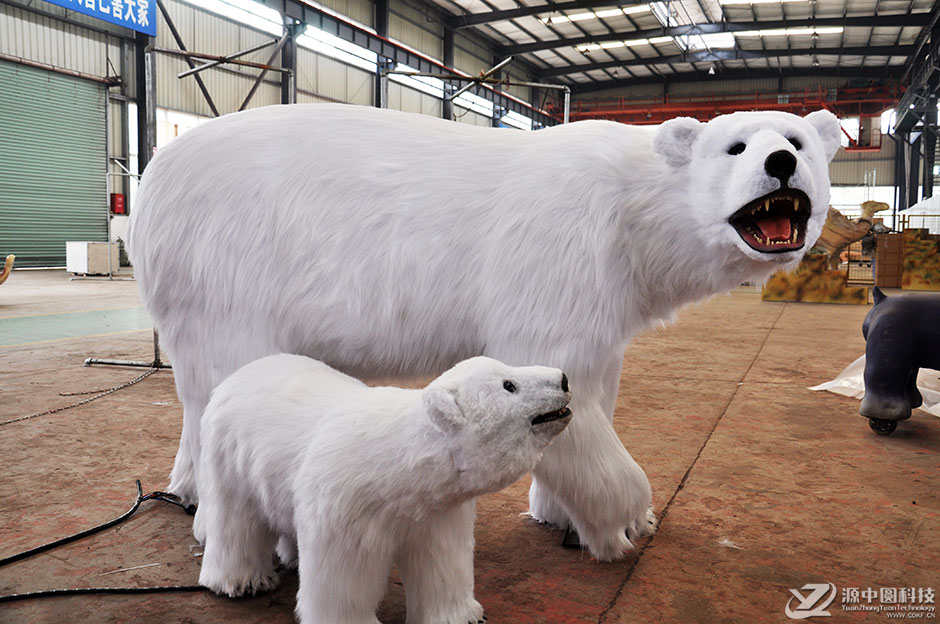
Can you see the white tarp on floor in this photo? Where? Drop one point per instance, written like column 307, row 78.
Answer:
column 850, row 382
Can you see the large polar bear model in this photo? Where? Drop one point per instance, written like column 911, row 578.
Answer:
column 364, row 478
column 391, row 244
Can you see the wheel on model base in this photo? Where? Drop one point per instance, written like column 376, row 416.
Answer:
column 882, row 427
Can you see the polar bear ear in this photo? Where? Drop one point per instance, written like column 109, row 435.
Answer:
column 674, row 140
column 827, row 127
column 440, row 404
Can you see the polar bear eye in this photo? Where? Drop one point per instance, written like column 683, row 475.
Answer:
column 737, row 148
column 509, row 386
column 795, row 143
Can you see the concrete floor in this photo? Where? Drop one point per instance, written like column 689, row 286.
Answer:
column 762, row 485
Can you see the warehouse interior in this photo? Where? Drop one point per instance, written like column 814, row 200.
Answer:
column 764, row 489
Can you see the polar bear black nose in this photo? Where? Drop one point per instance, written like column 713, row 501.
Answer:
column 564, row 382
column 780, row 165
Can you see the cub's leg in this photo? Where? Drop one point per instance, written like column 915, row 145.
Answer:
column 436, row 565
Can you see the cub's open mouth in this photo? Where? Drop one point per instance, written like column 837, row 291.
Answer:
column 774, row 223
column 549, row 417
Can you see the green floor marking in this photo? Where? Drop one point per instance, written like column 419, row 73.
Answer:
column 26, row 329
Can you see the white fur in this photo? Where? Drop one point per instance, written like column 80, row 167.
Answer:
column 363, row 478
column 386, row 243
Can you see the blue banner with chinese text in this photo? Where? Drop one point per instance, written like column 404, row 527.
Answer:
column 139, row 15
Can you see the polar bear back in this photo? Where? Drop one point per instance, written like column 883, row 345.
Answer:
column 267, row 419
column 270, row 230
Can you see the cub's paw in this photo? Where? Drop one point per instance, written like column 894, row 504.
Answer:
column 471, row 613
column 240, row 585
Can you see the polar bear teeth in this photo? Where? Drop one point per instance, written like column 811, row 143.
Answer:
column 551, row 416
column 774, row 223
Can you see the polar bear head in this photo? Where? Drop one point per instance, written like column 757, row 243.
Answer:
column 496, row 419
column 757, row 183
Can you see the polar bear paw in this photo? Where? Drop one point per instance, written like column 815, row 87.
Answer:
column 470, row 613
column 287, row 552
column 643, row 526
column 235, row 586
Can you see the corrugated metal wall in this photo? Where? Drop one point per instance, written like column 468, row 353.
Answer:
column 52, row 164
column 851, row 168
column 413, row 28
column 48, row 40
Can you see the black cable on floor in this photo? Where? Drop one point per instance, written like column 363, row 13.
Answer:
column 141, row 497
column 52, row 593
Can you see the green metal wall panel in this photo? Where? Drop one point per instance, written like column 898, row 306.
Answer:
column 52, row 164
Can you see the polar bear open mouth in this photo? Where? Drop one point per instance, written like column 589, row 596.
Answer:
column 550, row 416
column 774, row 223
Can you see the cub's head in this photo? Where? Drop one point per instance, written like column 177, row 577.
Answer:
column 495, row 419
column 757, row 182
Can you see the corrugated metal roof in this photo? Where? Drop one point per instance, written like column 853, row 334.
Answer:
column 593, row 44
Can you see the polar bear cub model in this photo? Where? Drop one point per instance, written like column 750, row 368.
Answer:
column 364, row 478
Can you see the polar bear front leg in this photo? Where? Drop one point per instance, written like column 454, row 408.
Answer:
column 239, row 548
column 588, row 477
column 344, row 567
column 436, row 565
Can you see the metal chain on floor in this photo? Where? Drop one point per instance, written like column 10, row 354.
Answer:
column 102, row 393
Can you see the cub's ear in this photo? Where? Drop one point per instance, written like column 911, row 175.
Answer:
column 440, row 404
column 674, row 140
column 827, row 127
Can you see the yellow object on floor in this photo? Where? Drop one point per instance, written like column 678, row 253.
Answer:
column 7, row 268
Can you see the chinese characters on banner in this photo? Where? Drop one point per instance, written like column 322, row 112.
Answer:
column 139, row 15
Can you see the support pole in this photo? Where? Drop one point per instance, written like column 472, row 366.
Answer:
column 215, row 61
column 380, row 99
column 567, row 104
column 146, row 101
column 930, row 144
column 447, row 106
column 264, row 72
column 189, row 61
column 483, row 76
column 146, row 141
column 903, row 171
column 914, row 172
column 289, row 62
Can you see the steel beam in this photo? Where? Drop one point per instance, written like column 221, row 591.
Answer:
column 705, row 56
column 878, row 73
column 914, row 19
column 381, row 46
column 487, row 17
column 277, row 50
column 189, row 61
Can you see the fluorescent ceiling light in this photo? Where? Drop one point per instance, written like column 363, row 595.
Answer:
column 658, row 40
column 724, row 2
column 607, row 45
column 707, row 41
column 781, row 32
column 580, row 17
column 589, row 47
